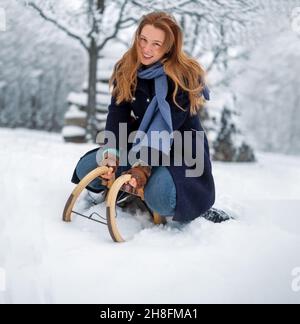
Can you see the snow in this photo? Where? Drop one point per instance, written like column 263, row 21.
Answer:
column 101, row 117
column 2, row 85
column 76, row 98
column 250, row 259
column 70, row 131
column 81, row 98
column 106, row 63
column 75, row 112
column 60, row 59
column 2, row 20
column 270, row 97
column 104, row 74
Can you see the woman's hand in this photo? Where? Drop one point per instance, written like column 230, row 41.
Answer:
column 139, row 178
column 112, row 162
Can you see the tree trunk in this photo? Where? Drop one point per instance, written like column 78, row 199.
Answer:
column 101, row 5
column 91, row 129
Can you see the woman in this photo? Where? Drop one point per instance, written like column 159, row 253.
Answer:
column 155, row 74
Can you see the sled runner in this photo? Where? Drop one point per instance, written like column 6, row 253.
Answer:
column 114, row 195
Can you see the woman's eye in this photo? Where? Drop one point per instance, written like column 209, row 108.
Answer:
column 143, row 40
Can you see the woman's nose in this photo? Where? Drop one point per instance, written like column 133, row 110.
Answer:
column 148, row 48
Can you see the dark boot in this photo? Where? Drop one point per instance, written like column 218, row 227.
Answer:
column 216, row 215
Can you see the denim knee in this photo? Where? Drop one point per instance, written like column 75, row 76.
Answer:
column 160, row 192
column 86, row 164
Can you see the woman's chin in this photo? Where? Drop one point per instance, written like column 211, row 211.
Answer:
column 146, row 62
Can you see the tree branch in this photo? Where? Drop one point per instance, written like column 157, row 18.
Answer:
column 57, row 24
column 117, row 27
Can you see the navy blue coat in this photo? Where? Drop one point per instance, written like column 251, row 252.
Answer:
column 195, row 195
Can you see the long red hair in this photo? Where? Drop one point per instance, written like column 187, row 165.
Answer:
column 184, row 71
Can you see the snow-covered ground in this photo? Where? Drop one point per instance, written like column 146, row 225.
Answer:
column 43, row 260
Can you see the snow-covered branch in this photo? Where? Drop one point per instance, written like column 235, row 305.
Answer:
column 117, row 26
column 57, row 24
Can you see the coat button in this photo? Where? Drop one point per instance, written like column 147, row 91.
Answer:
column 148, row 99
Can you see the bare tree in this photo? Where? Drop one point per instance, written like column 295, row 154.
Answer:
column 28, row 45
column 85, row 25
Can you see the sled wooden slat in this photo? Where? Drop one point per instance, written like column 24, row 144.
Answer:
column 157, row 219
column 111, row 207
column 79, row 188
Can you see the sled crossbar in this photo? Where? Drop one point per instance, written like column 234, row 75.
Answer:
column 91, row 217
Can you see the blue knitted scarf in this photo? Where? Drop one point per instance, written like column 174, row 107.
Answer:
column 158, row 114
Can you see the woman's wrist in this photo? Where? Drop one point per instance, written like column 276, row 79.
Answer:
column 110, row 151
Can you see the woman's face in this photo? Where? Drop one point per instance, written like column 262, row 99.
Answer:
column 150, row 44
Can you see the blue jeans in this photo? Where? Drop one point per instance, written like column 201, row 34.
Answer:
column 159, row 192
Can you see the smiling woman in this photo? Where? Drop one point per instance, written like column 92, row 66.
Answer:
column 159, row 38
column 150, row 45
column 163, row 87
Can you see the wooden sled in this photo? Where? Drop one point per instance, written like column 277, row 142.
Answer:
column 111, row 208
column 114, row 187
